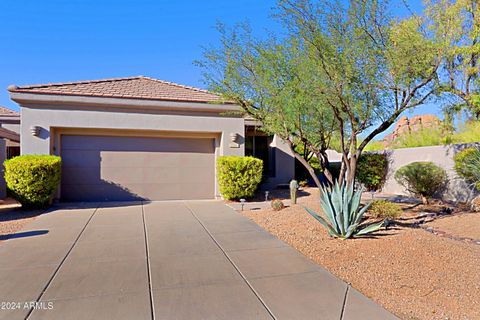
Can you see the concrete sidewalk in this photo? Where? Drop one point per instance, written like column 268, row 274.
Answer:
column 165, row 260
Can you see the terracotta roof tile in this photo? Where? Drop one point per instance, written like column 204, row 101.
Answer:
column 8, row 112
column 139, row 87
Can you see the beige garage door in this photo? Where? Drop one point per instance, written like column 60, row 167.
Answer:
column 101, row 168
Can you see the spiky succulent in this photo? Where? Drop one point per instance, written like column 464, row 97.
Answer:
column 341, row 206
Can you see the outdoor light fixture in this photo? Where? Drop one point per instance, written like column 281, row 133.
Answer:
column 35, row 130
column 234, row 137
column 235, row 140
column 242, row 202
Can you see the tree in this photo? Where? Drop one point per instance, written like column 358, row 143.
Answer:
column 455, row 26
column 342, row 72
column 372, row 68
column 271, row 81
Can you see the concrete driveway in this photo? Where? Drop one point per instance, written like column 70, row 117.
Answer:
column 164, row 260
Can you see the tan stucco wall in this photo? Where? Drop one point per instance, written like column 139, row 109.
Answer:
column 56, row 119
column 15, row 127
column 441, row 156
column 284, row 163
column 3, row 185
column 47, row 119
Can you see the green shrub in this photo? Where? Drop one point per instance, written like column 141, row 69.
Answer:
column 423, row 179
column 467, row 165
column 385, row 209
column 33, row 179
column 303, row 183
column 372, row 170
column 239, row 177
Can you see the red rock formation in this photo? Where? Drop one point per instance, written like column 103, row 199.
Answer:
column 406, row 126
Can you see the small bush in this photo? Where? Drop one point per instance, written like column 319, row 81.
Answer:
column 303, row 184
column 423, row 179
column 385, row 209
column 239, row 177
column 467, row 165
column 372, row 170
column 33, row 179
column 277, row 204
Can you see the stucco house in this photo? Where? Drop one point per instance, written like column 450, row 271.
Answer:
column 9, row 141
column 10, row 132
column 140, row 138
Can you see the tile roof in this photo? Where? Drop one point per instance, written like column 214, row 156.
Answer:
column 139, row 87
column 5, row 112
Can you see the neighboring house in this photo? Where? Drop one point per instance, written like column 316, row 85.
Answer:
column 10, row 131
column 9, row 141
column 140, row 138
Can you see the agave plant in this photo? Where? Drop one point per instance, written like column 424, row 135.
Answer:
column 341, row 206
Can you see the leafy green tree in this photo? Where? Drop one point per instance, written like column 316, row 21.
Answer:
column 455, row 27
column 370, row 67
column 272, row 82
column 341, row 72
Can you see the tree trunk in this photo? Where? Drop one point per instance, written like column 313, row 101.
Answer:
column 324, row 163
column 306, row 165
column 352, row 170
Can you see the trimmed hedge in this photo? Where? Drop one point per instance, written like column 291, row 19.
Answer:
column 423, row 179
column 33, row 179
column 372, row 169
column 239, row 177
column 467, row 165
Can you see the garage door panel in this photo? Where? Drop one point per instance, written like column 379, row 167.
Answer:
column 96, row 192
column 151, row 159
column 131, row 168
column 176, row 175
column 140, row 175
column 138, row 144
column 81, row 158
column 200, row 160
column 80, row 175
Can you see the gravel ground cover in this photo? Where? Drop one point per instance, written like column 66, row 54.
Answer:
column 413, row 273
column 13, row 218
column 465, row 225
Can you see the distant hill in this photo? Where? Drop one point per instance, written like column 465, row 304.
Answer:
column 405, row 126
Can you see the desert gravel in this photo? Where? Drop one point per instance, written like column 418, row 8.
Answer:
column 465, row 225
column 13, row 218
column 411, row 272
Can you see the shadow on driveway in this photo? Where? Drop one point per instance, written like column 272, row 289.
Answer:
column 23, row 234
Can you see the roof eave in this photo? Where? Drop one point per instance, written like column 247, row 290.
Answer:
column 9, row 134
column 42, row 100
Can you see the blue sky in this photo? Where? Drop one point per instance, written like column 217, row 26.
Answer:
column 58, row 40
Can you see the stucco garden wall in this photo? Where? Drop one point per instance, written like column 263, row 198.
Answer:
column 440, row 155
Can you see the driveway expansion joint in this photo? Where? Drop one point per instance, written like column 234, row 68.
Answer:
column 149, row 269
column 344, row 301
column 62, row 261
column 270, row 312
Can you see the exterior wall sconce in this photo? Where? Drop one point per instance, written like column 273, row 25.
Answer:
column 35, row 131
column 234, row 137
column 235, row 140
